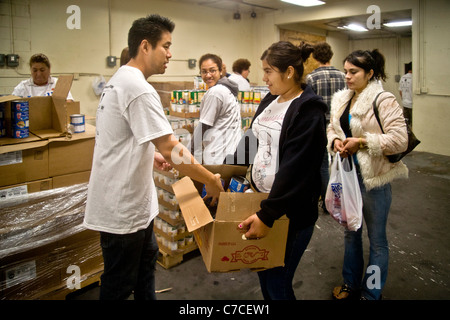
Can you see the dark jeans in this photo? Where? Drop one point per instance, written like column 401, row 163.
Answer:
column 276, row 283
column 129, row 265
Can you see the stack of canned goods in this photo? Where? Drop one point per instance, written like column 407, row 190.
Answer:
column 2, row 120
column 20, row 119
column 249, row 100
column 186, row 100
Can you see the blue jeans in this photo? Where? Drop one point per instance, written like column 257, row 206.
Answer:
column 129, row 265
column 376, row 205
column 276, row 283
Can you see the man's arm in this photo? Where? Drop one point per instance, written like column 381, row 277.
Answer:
column 181, row 159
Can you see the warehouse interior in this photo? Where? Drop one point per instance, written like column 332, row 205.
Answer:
column 84, row 40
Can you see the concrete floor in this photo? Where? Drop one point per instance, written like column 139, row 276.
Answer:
column 418, row 234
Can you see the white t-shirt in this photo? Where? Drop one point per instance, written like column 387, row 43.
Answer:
column 220, row 110
column 122, row 196
column 240, row 81
column 27, row 89
column 405, row 86
column 267, row 129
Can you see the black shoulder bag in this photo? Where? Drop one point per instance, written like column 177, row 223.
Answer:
column 412, row 140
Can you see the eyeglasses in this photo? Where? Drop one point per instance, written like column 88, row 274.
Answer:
column 211, row 72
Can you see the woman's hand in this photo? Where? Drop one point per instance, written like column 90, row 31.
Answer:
column 351, row 145
column 340, row 147
column 253, row 228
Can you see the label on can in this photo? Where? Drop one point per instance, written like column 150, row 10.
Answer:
column 20, row 106
column 77, row 119
column 238, row 184
column 20, row 133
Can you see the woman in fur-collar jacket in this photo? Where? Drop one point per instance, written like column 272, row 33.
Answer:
column 354, row 131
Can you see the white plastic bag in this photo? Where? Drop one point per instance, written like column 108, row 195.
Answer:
column 98, row 84
column 343, row 197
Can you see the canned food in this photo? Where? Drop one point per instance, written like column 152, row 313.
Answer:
column 20, row 106
column 20, row 133
column 77, row 121
column 238, row 184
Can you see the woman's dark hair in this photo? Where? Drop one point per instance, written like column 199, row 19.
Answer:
column 217, row 60
column 240, row 65
column 283, row 54
column 149, row 28
column 40, row 58
column 369, row 60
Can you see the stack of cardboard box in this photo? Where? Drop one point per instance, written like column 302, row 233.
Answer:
column 49, row 159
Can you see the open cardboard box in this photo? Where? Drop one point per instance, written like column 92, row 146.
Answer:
column 48, row 115
column 222, row 247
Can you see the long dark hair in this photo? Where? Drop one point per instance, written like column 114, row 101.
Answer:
column 369, row 60
column 283, row 54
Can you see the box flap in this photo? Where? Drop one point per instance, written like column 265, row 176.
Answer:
column 227, row 171
column 23, row 146
column 88, row 134
column 193, row 208
column 9, row 141
column 236, row 206
column 62, row 87
column 9, row 98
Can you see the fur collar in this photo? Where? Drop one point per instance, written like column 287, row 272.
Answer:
column 363, row 102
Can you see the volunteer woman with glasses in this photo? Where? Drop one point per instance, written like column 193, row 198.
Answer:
column 354, row 131
column 41, row 82
column 219, row 129
column 289, row 130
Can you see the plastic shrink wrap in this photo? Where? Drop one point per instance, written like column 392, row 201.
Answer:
column 45, row 251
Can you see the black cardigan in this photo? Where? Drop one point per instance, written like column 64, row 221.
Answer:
column 296, row 188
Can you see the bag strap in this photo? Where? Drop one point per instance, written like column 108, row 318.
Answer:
column 375, row 111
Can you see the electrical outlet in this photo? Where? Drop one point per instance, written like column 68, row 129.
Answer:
column 12, row 60
column 111, row 61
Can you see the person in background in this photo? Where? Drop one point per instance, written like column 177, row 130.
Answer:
column 354, row 131
column 224, row 71
column 325, row 81
column 289, row 130
column 405, row 89
column 41, row 82
column 124, row 56
column 122, row 200
column 241, row 70
column 219, row 129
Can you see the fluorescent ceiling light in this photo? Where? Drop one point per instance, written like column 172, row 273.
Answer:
column 305, row 3
column 398, row 23
column 355, row 27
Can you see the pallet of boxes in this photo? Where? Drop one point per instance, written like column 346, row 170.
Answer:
column 45, row 163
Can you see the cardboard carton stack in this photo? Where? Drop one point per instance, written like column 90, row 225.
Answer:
column 43, row 167
column 174, row 240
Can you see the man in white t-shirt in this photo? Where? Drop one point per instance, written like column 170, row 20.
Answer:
column 122, row 200
column 405, row 89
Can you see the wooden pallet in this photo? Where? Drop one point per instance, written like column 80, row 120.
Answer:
column 169, row 259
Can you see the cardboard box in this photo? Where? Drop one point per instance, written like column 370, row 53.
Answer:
column 25, row 188
column 219, row 241
column 72, row 155
column 23, row 162
column 70, row 179
column 48, row 116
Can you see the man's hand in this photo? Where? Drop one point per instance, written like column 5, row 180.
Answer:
column 160, row 163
